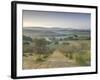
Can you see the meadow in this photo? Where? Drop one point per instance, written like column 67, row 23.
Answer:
column 71, row 50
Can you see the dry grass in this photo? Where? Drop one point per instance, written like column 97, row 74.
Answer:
column 72, row 54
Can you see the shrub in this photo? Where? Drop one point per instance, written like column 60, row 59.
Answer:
column 39, row 59
column 26, row 38
column 25, row 55
column 42, row 49
column 27, row 49
column 41, row 46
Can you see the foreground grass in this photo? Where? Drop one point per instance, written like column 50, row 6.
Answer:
column 67, row 54
column 78, row 51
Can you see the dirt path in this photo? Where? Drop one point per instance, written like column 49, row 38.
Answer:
column 56, row 60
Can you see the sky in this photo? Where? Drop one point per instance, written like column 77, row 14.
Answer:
column 50, row 19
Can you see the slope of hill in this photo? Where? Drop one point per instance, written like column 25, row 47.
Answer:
column 49, row 32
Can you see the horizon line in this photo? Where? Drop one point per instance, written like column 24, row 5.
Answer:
column 57, row 27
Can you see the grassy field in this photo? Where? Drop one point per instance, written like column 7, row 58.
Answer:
column 55, row 47
column 56, row 54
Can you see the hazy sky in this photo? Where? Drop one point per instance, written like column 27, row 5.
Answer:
column 56, row 19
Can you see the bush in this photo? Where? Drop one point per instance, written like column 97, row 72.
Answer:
column 66, row 43
column 25, row 55
column 42, row 49
column 39, row 59
column 56, row 42
column 41, row 46
column 26, row 38
column 27, row 49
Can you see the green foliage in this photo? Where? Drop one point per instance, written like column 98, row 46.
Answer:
column 26, row 43
column 26, row 38
column 40, row 46
column 75, row 35
column 56, row 42
column 83, row 59
column 40, row 59
column 25, row 55
column 42, row 49
column 27, row 48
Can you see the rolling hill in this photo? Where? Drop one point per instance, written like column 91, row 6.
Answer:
column 53, row 32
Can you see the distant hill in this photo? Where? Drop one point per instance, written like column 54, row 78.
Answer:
column 48, row 32
column 55, row 28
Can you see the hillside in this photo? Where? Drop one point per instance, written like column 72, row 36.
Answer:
column 52, row 32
